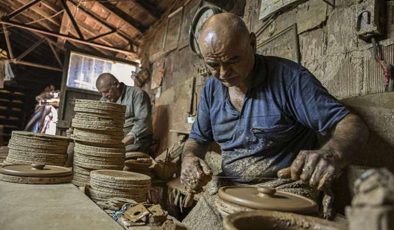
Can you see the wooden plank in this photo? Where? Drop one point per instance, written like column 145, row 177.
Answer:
column 61, row 206
column 41, row 66
column 7, row 41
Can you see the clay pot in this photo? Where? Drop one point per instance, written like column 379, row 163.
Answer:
column 267, row 220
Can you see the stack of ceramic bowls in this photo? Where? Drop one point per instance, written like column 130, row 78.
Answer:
column 107, row 184
column 98, row 133
column 3, row 153
column 33, row 148
column 138, row 162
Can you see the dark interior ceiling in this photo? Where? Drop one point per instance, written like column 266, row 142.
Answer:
column 37, row 31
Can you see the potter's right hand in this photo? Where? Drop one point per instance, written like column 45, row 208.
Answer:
column 195, row 173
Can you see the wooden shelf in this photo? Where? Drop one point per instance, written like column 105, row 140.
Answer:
column 11, row 111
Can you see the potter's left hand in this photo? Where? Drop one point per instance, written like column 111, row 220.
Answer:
column 318, row 168
column 128, row 139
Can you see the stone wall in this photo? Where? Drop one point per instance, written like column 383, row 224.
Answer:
column 328, row 47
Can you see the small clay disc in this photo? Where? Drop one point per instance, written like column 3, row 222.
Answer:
column 10, row 160
column 120, row 176
column 35, row 180
column 118, row 186
column 110, row 126
column 30, row 171
column 90, row 148
column 97, row 166
column 100, row 105
column 99, row 160
column 100, row 195
column 120, row 193
column 38, row 150
column 117, row 118
column 40, row 136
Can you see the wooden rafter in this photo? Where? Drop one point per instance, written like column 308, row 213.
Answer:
column 92, row 15
column 132, row 54
column 54, row 52
column 31, row 48
column 50, row 6
column 101, row 35
column 122, row 16
column 41, row 66
column 64, row 29
column 27, row 17
column 75, row 24
column 42, row 13
column 8, row 42
column 20, row 9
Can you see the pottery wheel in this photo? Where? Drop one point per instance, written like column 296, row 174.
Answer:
column 35, row 174
column 263, row 198
column 35, row 170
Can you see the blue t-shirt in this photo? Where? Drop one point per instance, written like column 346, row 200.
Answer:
column 284, row 109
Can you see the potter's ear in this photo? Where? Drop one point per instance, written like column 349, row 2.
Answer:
column 117, row 84
column 252, row 37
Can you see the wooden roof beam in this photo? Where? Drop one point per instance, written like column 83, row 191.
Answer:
column 50, row 6
column 8, row 42
column 30, row 16
column 54, row 52
column 42, row 13
column 41, row 66
column 90, row 14
column 20, row 10
column 30, row 49
column 132, row 54
column 125, row 18
column 71, row 17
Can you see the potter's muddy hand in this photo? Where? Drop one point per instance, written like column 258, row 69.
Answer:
column 328, row 198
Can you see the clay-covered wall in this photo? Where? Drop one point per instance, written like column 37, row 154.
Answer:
column 321, row 37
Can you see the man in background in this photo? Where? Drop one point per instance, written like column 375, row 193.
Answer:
column 138, row 119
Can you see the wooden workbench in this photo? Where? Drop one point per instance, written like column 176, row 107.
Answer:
column 59, row 207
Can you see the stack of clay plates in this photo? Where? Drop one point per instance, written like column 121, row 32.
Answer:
column 3, row 153
column 98, row 134
column 138, row 162
column 107, row 184
column 34, row 148
column 35, row 174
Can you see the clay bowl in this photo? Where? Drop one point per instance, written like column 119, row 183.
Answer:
column 273, row 220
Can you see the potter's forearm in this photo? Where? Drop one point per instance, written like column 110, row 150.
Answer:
column 193, row 148
column 347, row 138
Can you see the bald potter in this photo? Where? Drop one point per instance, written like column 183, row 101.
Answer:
column 222, row 30
column 105, row 79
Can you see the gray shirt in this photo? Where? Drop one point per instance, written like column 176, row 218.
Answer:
column 138, row 119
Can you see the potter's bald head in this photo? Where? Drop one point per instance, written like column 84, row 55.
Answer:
column 106, row 79
column 223, row 30
column 108, row 86
column 228, row 48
